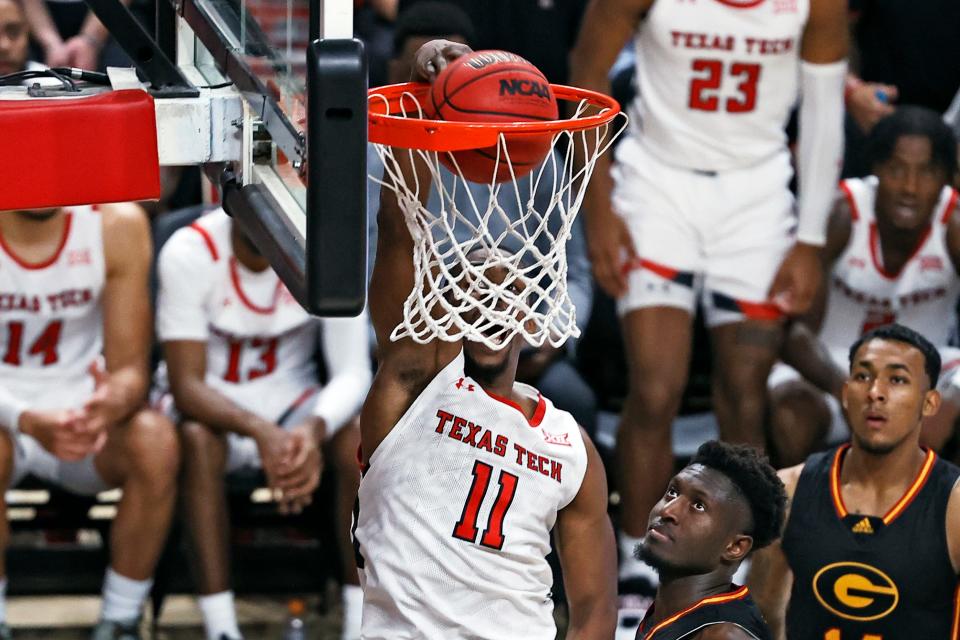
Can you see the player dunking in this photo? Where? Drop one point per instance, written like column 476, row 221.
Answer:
column 467, row 473
column 872, row 539
column 698, row 204
column 727, row 502
column 73, row 288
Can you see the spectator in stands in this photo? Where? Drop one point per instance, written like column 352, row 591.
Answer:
column 905, row 53
column 892, row 255
column 70, row 35
column 548, row 368
column 14, row 37
column 73, row 379
column 241, row 365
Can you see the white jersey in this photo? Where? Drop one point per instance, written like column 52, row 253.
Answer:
column 455, row 514
column 51, row 320
column 862, row 294
column 261, row 344
column 717, row 80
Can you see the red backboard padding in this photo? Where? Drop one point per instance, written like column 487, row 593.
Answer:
column 69, row 151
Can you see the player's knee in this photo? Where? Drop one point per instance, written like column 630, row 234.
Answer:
column 153, row 447
column 197, row 438
column 651, row 398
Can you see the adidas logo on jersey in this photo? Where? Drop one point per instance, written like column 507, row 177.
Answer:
column 863, row 527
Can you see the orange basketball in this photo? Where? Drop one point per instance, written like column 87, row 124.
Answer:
column 494, row 86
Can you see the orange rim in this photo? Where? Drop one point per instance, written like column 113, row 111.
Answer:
column 389, row 124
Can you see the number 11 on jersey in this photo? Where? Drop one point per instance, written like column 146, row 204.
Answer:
column 466, row 528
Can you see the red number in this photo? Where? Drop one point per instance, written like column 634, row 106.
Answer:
column 45, row 345
column 876, row 319
column 704, row 90
column 466, row 528
column 747, row 100
column 14, row 339
column 710, row 82
column 268, row 358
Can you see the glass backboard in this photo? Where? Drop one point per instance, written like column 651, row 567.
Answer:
column 308, row 166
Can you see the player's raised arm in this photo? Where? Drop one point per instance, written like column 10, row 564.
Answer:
column 405, row 367
column 585, row 544
column 127, row 323
column 607, row 25
column 770, row 578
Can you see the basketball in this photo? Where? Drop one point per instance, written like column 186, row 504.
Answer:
column 494, row 86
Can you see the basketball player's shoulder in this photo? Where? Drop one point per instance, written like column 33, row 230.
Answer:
column 126, row 235
column 203, row 242
column 123, row 219
column 790, row 477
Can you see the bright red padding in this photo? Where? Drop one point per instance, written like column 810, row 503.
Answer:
column 56, row 152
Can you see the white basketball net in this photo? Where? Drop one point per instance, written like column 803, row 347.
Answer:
column 485, row 274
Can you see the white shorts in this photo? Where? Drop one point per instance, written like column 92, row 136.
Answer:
column 839, row 431
column 720, row 235
column 30, row 457
column 79, row 477
column 242, row 451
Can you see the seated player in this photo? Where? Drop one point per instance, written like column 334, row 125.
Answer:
column 549, row 368
column 892, row 254
column 871, row 547
column 726, row 503
column 468, row 474
column 241, row 364
column 73, row 290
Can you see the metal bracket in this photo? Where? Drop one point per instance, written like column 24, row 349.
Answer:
column 165, row 78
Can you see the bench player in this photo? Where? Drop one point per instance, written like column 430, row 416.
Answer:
column 698, row 206
column 892, row 254
column 467, row 474
column 871, row 547
column 73, row 289
column 240, row 358
column 726, row 503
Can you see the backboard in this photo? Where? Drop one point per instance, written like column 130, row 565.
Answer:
column 299, row 188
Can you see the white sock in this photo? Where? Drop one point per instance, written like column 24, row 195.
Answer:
column 3, row 599
column 122, row 597
column 352, row 596
column 219, row 615
column 630, row 566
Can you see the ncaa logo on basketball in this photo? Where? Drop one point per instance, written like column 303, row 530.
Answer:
column 515, row 87
column 855, row 591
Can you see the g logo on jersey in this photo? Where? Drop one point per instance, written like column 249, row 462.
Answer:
column 855, row 591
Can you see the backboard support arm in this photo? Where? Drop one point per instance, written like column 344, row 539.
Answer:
column 166, row 80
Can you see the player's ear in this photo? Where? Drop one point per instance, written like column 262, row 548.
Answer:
column 931, row 403
column 738, row 548
column 843, row 394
